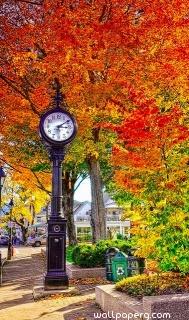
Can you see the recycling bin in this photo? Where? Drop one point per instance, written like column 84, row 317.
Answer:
column 119, row 266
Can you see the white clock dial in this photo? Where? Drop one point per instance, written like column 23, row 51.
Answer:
column 58, row 126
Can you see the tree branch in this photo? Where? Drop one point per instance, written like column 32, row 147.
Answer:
column 16, row 221
column 25, row 95
column 164, row 158
column 84, row 177
column 3, row 160
column 40, row 185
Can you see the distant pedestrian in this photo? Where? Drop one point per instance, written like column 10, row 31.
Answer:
column 109, row 233
column 14, row 240
column 17, row 241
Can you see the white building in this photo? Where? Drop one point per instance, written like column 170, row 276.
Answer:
column 114, row 223
column 82, row 212
column 40, row 221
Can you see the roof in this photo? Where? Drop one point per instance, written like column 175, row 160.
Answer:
column 106, row 197
column 85, row 206
column 108, row 202
column 111, row 204
column 82, row 207
column 76, row 204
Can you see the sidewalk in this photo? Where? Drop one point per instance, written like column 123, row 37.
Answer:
column 16, row 300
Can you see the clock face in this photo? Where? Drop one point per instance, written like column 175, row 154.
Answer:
column 58, row 126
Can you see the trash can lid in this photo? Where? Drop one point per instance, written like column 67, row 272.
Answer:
column 112, row 250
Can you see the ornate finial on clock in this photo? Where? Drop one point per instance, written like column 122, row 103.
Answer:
column 59, row 97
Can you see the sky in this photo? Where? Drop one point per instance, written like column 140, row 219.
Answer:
column 83, row 193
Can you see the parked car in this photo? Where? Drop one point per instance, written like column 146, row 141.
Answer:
column 37, row 241
column 4, row 240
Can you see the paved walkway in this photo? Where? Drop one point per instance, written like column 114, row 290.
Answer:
column 16, row 300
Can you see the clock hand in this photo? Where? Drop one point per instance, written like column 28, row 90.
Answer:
column 58, row 128
column 60, row 125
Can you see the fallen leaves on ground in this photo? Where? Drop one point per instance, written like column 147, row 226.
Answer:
column 88, row 281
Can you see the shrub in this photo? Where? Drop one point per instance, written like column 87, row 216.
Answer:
column 86, row 255
column 154, row 284
column 172, row 250
column 69, row 251
column 82, row 255
column 120, row 236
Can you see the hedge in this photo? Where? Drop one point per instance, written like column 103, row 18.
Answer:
column 89, row 255
column 154, row 284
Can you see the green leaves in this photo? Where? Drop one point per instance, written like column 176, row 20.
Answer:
column 41, row 167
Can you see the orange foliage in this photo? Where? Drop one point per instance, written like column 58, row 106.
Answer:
column 147, row 137
column 97, row 49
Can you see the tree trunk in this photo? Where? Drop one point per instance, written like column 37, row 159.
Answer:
column 32, row 210
column 98, row 212
column 24, row 233
column 24, row 229
column 68, row 183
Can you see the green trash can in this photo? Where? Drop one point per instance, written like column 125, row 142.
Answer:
column 119, row 266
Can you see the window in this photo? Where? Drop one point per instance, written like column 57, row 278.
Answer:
column 126, row 231
column 84, row 233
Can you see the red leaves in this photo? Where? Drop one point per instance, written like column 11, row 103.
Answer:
column 146, row 138
column 148, row 126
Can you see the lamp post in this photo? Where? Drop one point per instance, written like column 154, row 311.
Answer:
column 57, row 129
column 2, row 179
column 10, row 244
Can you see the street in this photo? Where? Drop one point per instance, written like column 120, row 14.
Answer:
column 16, row 298
column 3, row 251
column 20, row 251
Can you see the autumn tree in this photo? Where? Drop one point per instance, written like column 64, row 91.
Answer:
column 21, row 204
column 97, row 49
column 151, row 162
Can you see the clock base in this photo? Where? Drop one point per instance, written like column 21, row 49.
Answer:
column 56, row 277
column 56, row 281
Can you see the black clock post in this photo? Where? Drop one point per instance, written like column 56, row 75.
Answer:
column 56, row 277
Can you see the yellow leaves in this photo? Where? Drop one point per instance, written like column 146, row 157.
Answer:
column 161, row 204
column 146, row 244
column 20, row 209
column 95, row 154
column 68, row 55
column 135, row 214
column 25, row 178
column 178, row 218
column 181, row 34
column 112, row 110
column 153, row 49
column 91, row 149
column 35, row 198
column 27, row 200
column 22, row 60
